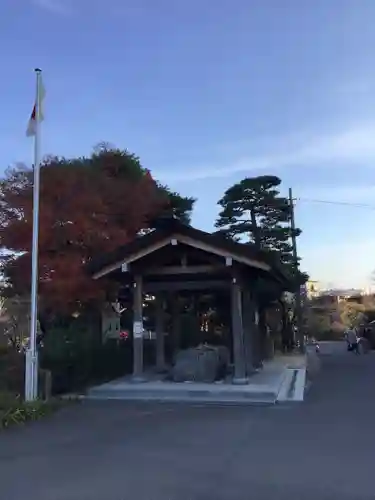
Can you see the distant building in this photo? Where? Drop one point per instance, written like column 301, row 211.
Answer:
column 350, row 294
column 314, row 289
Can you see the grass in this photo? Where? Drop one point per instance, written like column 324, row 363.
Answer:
column 15, row 411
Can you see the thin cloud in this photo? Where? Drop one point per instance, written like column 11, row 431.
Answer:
column 361, row 194
column 60, row 7
column 353, row 146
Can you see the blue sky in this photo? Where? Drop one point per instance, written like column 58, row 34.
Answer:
column 207, row 93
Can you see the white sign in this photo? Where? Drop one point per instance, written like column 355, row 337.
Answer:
column 256, row 318
column 137, row 329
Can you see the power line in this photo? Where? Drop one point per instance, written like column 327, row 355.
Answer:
column 342, row 203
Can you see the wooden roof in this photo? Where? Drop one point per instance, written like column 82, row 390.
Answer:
column 246, row 254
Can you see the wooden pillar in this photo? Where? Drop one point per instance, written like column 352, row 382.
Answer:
column 257, row 346
column 262, row 334
column 175, row 324
column 137, row 330
column 237, row 334
column 196, row 318
column 249, row 328
column 159, row 330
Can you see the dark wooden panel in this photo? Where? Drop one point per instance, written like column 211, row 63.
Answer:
column 184, row 270
column 175, row 255
column 158, row 286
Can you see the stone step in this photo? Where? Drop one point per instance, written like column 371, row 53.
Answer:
column 234, row 396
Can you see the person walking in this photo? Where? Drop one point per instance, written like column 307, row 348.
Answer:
column 352, row 340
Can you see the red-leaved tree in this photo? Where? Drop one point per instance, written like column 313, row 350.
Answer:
column 87, row 206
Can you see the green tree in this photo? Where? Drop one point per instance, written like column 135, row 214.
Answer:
column 254, row 212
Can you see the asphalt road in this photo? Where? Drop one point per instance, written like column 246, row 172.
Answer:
column 322, row 449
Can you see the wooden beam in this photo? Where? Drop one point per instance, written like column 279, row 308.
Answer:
column 184, row 285
column 217, row 251
column 142, row 253
column 166, row 270
column 178, row 238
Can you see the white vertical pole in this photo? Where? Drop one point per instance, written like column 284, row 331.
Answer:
column 31, row 369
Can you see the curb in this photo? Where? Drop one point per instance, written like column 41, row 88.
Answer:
column 293, row 387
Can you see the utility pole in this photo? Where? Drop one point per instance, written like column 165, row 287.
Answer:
column 300, row 333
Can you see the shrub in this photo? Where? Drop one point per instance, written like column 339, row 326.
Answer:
column 77, row 358
column 15, row 411
column 4, row 349
column 12, row 371
column 73, row 352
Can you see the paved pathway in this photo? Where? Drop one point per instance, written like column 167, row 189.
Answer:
column 322, row 449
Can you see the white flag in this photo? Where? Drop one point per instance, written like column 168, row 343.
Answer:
column 31, row 128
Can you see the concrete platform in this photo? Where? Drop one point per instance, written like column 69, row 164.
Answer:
column 263, row 387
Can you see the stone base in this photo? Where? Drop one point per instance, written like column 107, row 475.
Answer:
column 137, row 379
column 240, row 381
column 262, row 388
column 162, row 369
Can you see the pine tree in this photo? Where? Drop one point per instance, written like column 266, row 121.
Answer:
column 253, row 211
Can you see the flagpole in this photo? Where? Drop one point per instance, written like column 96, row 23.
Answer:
column 31, row 369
